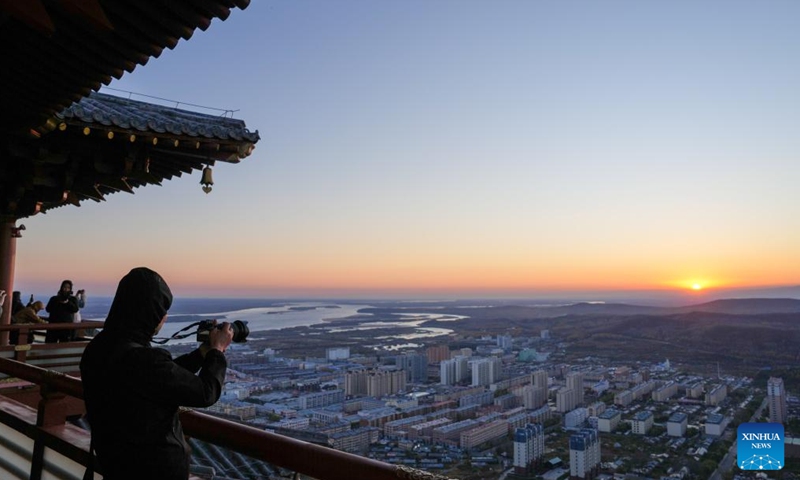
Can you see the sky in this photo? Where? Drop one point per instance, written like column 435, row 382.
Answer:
column 465, row 148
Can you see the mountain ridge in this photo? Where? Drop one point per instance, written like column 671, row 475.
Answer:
column 732, row 306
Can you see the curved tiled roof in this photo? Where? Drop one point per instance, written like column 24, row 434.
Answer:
column 104, row 144
column 124, row 114
column 56, row 52
column 62, row 144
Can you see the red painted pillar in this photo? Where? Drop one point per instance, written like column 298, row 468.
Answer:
column 8, row 253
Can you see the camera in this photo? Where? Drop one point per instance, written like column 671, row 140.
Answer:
column 239, row 328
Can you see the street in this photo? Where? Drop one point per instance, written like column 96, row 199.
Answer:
column 730, row 458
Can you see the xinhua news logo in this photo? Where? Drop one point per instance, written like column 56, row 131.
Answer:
column 759, row 446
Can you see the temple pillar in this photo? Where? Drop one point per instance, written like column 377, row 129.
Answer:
column 8, row 254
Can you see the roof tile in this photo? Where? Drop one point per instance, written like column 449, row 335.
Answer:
column 109, row 110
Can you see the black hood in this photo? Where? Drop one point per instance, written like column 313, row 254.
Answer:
column 141, row 301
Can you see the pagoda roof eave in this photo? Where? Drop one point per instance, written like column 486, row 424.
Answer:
column 56, row 53
column 105, row 144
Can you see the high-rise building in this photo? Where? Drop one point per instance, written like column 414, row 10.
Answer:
column 776, row 396
column 497, row 369
column 528, row 447
column 415, row 365
column 454, row 370
column 381, row 382
column 584, row 454
column 539, row 378
column 374, row 383
column 481, row 372
column 575, row 382
column 447, row 372
column 437, row 353
column 504, row 341
column 533, row 396
column 462, row 368
column 355, row 383
column 566, row 400
column 486, row 371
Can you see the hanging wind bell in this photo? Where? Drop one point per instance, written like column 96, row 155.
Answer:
column 207, row 181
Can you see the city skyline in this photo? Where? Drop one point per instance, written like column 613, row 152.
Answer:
column 465, row 149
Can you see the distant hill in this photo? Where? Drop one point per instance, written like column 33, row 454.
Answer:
column 738, row 333
column 738, row 306
column 792, row 291
column 732, row 339
column 745, row 306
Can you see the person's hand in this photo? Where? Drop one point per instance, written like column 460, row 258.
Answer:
column 220, row 337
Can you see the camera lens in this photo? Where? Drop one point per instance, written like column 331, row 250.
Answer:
column 238, row 327
column 240, row 331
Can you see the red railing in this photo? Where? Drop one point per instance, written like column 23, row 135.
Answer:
column 26, row 331
column 305, row 458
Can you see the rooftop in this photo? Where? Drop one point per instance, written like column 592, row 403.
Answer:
column 678, row 417
column 715, row 418
column 610, row 413
column 104, row 144
column 641, row 416
column 114, row 112
column 84, row 45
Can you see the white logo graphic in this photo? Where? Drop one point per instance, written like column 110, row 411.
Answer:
column 760, row 462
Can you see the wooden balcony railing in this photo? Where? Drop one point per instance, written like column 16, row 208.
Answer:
column 62, row 357
column 38, row 439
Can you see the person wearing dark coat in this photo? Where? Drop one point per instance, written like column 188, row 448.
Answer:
column 133, row 390
column 61, row 308
column 16, row 303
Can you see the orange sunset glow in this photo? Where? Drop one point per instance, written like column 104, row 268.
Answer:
column 451, row 240
column 519, row 181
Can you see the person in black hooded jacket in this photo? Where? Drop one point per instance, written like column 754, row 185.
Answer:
column 61, row 307
column 132, row 390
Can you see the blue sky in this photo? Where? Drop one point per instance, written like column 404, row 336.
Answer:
column 458, row 148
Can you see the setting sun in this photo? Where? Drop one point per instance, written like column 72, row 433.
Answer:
column 695, row 284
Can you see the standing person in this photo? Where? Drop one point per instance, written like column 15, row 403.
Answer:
column 16, row 303
column 132, row 390
column 76, row 317
column 81, row 298
column 61, row 307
